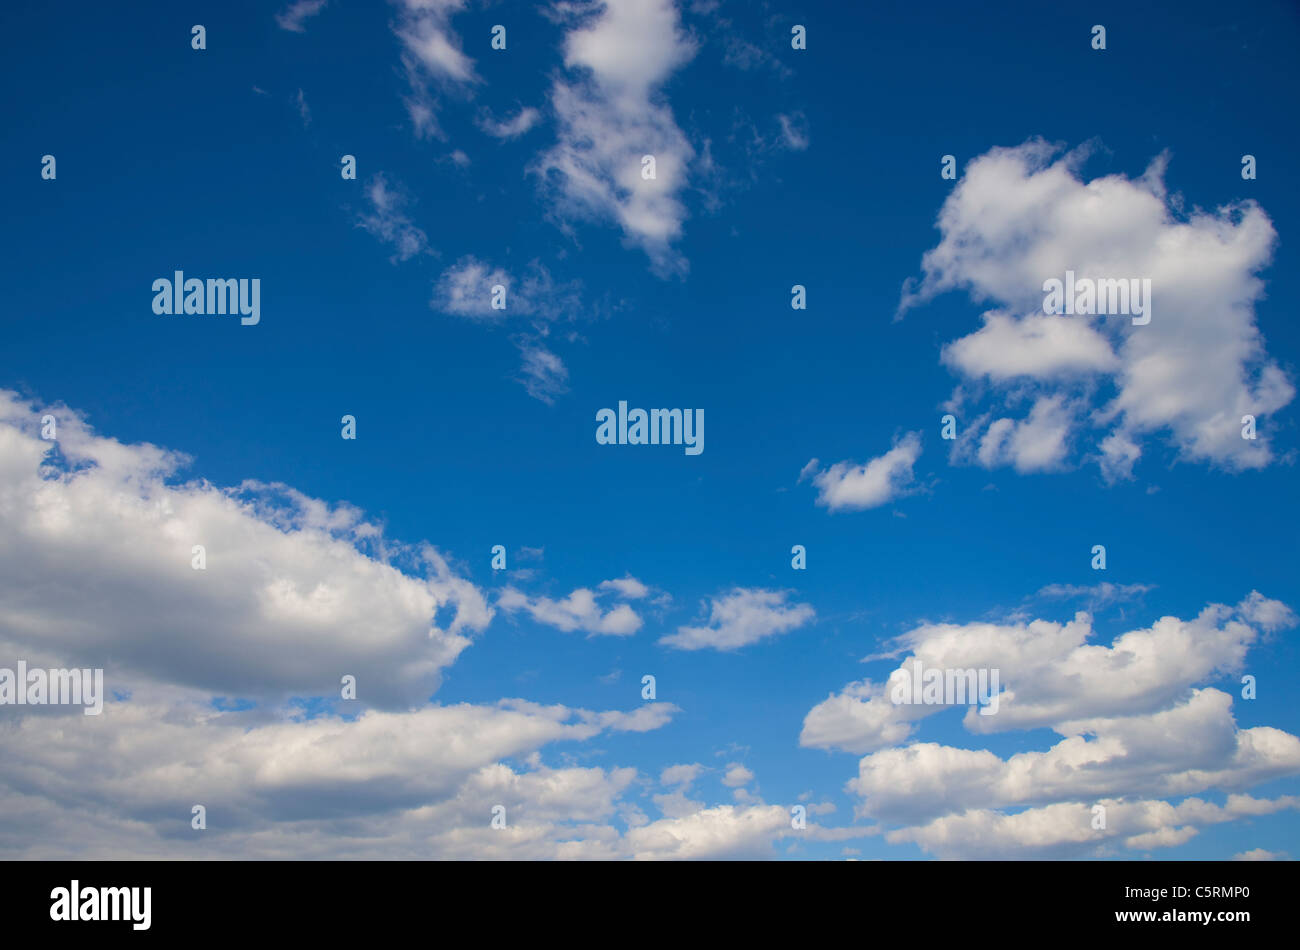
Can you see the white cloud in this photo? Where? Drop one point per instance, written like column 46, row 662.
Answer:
column 466, row 290
column 1135, row 728
column 387, row 220
column 737, row 775
column 510, row 128
column 1049, row 673
column 544, row 375
column 741, row 617
column 1066, row 829
column 794, row 130
column 1037, row 443
column 683, row 775
column 1259, row 854
column 610, row 114
column 726, row 831
column 1097, row 595
column 293, row 17
column 1037, row 346
column 95, row 566
column 627, row 586
column 412, row 784
column 1023, row 215
column 578, row 611
column 847, row 485
column 432, row 57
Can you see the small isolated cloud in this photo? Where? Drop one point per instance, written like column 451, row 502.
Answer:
column 741, row 617
column 794, row 131
column 543, row 374
column 510, row 128
column 1259, row 854
column 683, row 775
column 628, row 587
column 293, row 17
column 850, row 486
column 579, row 611
column 737, row 775
column 387, row 220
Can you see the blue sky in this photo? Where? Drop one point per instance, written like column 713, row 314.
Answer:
column 777, row 167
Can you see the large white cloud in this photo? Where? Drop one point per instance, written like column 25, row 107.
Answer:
column 96, row 540
column 1024, row 215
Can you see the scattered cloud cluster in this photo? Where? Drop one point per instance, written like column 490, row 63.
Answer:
column 1039, row 390
column 1135, row 719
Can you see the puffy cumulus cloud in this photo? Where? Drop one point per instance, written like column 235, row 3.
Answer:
column 1037, row 443
column 1021, row 216
column 1135, row 728
column 388, row 221
column 96, row 540
column 849, row 486
column 1189, row 748
column 1048, row 672
column 579, row 611
column 432, row 58
column 725, row 831
column 1007, row 348
column 610, row 113
column 741, row 617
